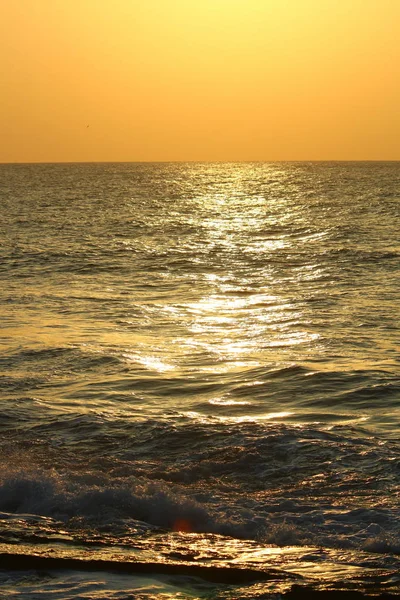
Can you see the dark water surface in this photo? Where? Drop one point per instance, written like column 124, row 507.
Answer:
column 199, row 366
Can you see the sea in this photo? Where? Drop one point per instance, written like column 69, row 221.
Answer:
column 199, row 380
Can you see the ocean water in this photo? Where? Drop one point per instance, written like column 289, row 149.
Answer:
column 199, row 379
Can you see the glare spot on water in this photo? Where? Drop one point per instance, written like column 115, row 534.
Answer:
column 272, row 416
column 295, row 338
column 266, row 417
column 150, row 362
column 213, row 303
column 226, row 402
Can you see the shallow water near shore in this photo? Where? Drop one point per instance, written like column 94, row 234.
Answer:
column 200, row 367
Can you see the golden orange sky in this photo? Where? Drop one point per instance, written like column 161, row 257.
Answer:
column 161, row 80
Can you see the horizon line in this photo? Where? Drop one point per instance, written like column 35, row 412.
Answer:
column 76, row 162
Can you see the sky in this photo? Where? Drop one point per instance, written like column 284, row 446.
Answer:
column 212, row 80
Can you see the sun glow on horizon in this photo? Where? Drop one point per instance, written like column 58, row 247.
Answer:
column 200, row 80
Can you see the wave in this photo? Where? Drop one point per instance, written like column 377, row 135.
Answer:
column 150, row 579
column 274, row 483
column 125, row 509
column 111, row 516
column 57, row 360
column 220, row 574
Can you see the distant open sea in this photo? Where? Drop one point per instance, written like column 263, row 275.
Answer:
column 199, row 379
